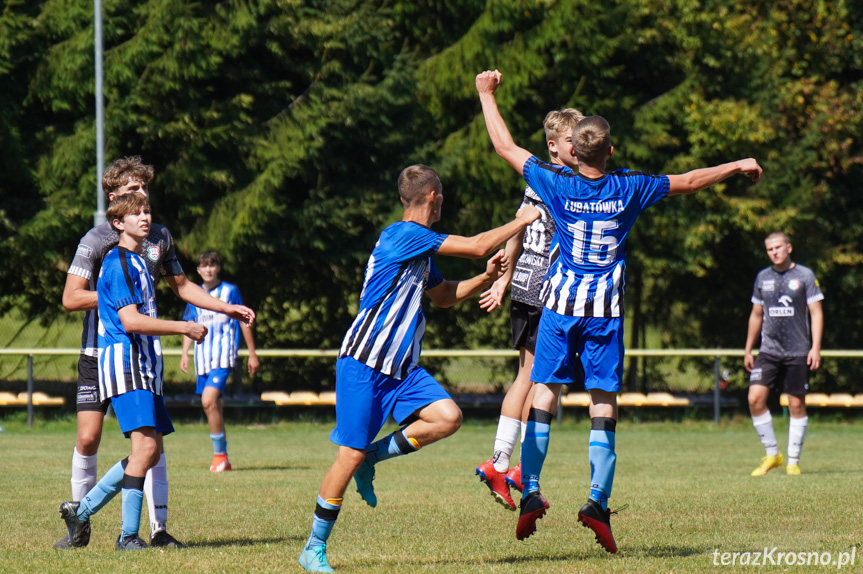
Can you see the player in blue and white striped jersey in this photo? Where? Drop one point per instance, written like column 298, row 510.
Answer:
column 130, row 372
column 377, row 373
column 216, row 356
column 594, row 211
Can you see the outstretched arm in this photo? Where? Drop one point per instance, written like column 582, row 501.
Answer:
column 493, row 297
column 486, row 83
column 483, row 244
column 699, row 179
column 135, row 322
column 191, row 293
column 448, row 293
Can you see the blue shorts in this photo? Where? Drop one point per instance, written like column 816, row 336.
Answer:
column 138, row 409
column 566, row 344
column 217, row 378
column 366, row 397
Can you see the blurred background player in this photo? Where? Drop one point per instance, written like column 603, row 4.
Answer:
column 377, row 373
column 216, row 355
column 531, row 249
column 786, row 358
column 593, row 212
column 123, row 176
column 130, row 372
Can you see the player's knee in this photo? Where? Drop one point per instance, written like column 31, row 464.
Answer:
column 450, row 418
column 350, row 457
column 87, row 443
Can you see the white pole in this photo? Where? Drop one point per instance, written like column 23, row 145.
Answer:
column 99, row 216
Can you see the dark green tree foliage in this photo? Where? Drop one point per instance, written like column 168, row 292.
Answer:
column 278, row 128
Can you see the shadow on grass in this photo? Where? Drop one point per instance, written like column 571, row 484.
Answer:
column 218, row 543
column 250, row 468
column 662, row 551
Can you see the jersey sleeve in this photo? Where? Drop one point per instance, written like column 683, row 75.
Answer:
column 435, row 278
column 190, row 313
column 651, row 189
column 84, row 263
column 541, row 177
column 413, row 240
column 813, row 291
column 757, row 297
column 170, row 264
column 123, row 289
column 234, row 297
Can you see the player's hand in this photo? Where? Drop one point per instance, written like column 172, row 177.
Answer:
column 184, row 363
column 813, row 359
column 497, row 265
column 528, row 213
column 254, row 363
column 487, row 82
column 748, row 361
column 493, row 297
column 750, row 168
column 241, row 313
column 195, row 331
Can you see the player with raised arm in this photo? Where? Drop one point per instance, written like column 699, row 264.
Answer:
column 531, row 251
column 377, row 373
column 593, row 211
column 130, row 370
column 123, row 176
column 790, row 294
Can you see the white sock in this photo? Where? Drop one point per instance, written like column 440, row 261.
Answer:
column 504, row 442
column 764, row 427
column 523, row 431
column 796, row 434
column 84, row 474
column 156, row 489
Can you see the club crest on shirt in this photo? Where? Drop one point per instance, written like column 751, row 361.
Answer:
column 794, row 284
column 152, row 252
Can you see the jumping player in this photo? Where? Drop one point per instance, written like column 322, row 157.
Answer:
column 583, row 321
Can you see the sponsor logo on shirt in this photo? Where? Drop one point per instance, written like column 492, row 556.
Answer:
column 521, row 277
column 84, row 251
column 768, row 286
column 781, row 311
column 152, row 252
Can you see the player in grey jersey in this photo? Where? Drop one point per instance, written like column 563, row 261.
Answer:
column 531, row 248
column 786, row 291
column 127, row 175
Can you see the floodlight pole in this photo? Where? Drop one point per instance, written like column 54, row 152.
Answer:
column 99, row 215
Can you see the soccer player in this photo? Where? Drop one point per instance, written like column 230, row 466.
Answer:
column 123, row 176
column 130, row 371
column 593, row 211
column 531, row 249
column 216, row 356
column 786, row 290
column 376, row 372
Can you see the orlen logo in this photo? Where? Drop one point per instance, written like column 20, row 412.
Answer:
column 785, row 300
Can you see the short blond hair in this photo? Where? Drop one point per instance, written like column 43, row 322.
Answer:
column 415, row 180
column 591, row 138
column 559, row 123
column 778, row 235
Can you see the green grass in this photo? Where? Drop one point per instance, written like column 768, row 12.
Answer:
column 687, row 486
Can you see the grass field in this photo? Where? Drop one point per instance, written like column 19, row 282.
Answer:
column 687, row 486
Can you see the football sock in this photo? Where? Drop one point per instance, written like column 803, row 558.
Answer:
column 84, row 474
column 220, row 443
column 504, row 442
column 523, row 430
column 101, row 494
column 764, row 427
column 796, row 434
column 326, row 513
column 395, row 444
column 133, row 499
column 156, row 487
column 534, row 449
column 602, row 457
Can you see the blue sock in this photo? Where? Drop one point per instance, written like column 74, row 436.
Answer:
column 602, row 459
column 133, row 499
column 220, row 443
column 326, row 512
column 534, row 448
column 395, row 444
column 101, row 494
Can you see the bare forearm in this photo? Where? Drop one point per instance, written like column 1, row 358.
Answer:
column 145, row 325
column 752, row 332
column 499, row 134
column 248, row 337
column 817, row 328
column 699, row 179
column 191, row 293
column 80, row 300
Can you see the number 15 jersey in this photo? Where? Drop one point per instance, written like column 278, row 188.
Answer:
column 593, row 219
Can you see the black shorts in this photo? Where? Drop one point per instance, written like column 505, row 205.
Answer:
column 88, row 386
column 524, row 319
column 782, row 374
